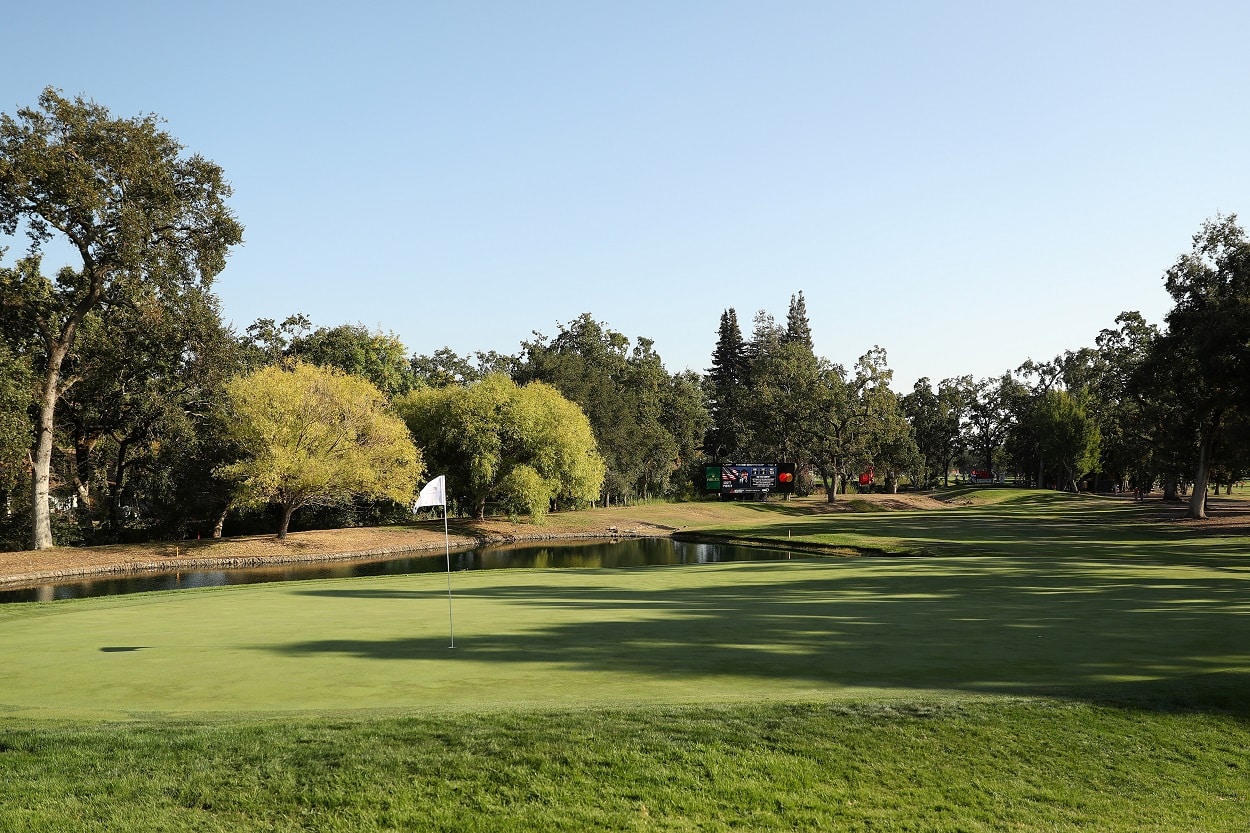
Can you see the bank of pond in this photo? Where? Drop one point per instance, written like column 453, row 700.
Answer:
column 637, row 552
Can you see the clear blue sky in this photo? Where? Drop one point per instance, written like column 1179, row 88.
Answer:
column 967, row 184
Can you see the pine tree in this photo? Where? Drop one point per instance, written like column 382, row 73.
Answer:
column 798, row 331
column 725, row 384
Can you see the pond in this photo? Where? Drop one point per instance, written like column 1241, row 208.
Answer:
column 639, row 552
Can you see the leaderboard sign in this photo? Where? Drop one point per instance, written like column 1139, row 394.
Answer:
column 750, row 479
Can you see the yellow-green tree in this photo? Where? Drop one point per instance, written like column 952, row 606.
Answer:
column 524, row 446
column 314, row 436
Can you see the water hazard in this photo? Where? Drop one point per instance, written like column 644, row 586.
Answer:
column 642, row 552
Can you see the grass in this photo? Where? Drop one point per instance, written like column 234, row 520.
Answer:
column 998, row 522
column 1053, row 663
column 818, row 766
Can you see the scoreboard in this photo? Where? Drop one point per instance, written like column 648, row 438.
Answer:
column 749, row 479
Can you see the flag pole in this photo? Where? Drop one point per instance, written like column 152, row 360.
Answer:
column 451, row 617
column 435, row 494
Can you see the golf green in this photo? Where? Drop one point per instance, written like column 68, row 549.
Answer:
column 1079, row 622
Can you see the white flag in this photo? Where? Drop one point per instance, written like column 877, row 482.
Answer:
column 434, row 493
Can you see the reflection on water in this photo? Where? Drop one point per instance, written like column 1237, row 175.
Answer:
column 642, row 552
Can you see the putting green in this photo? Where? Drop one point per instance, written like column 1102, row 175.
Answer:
column 1086, row 626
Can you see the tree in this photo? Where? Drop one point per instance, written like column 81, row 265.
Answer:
column 444, row 367
column 142, row 219
column 1126, row 435
column 316, row 437
column 860, row 424
column 990, row 416
column 684, row 415
column 725, row 384
column 145, row 381
column 937, row 423
column 830, row 433
column 1066, row 433
column 622, row 391
column 783, row 401
column 352, row 348
column 1207, row 342
column 267, row 342
column 15, row 426
column 876, row 434
column 525, row 446
column 798, row 331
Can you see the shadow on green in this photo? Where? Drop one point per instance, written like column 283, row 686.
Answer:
column 1076, row 629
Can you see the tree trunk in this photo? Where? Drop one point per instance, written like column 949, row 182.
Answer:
column 831, row 486
column 1169, row 487
column 221, row 522
column 1198, row 500
column 287, row 512
column 83, row 475
column 479, row 512
column 41, row 454
column 115, row 488
column 83, row 510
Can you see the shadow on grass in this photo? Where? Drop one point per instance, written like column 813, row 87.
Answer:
column 1049, row 529
column 1072, row 627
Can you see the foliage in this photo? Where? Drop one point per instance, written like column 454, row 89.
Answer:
column 783, row 398
column 798, row 331
column 268, row 342
column 1123, row 406
column 145, row 221
column 16, row 383
column 524, row 445
column 445, row 367
column 523, row 491
column 316, row 436
column 1066, row 433
column 684, row 414
column 725, row 389
column 992, row 409
column 377, row 356
column 937, row 423
column 1205, row 352
column 868, row 429
column 145, row 384
column 627, row 395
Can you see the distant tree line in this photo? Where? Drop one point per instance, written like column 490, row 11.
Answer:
column 128, row 410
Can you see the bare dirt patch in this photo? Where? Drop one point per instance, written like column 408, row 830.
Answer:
column 1225, row 516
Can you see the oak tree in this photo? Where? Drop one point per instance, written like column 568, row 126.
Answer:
column 140, row 216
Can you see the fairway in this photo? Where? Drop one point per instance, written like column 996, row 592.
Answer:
column 1039, row 607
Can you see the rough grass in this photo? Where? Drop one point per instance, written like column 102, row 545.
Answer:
column 972, row 766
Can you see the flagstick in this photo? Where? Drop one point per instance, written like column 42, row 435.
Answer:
column 451, row 618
